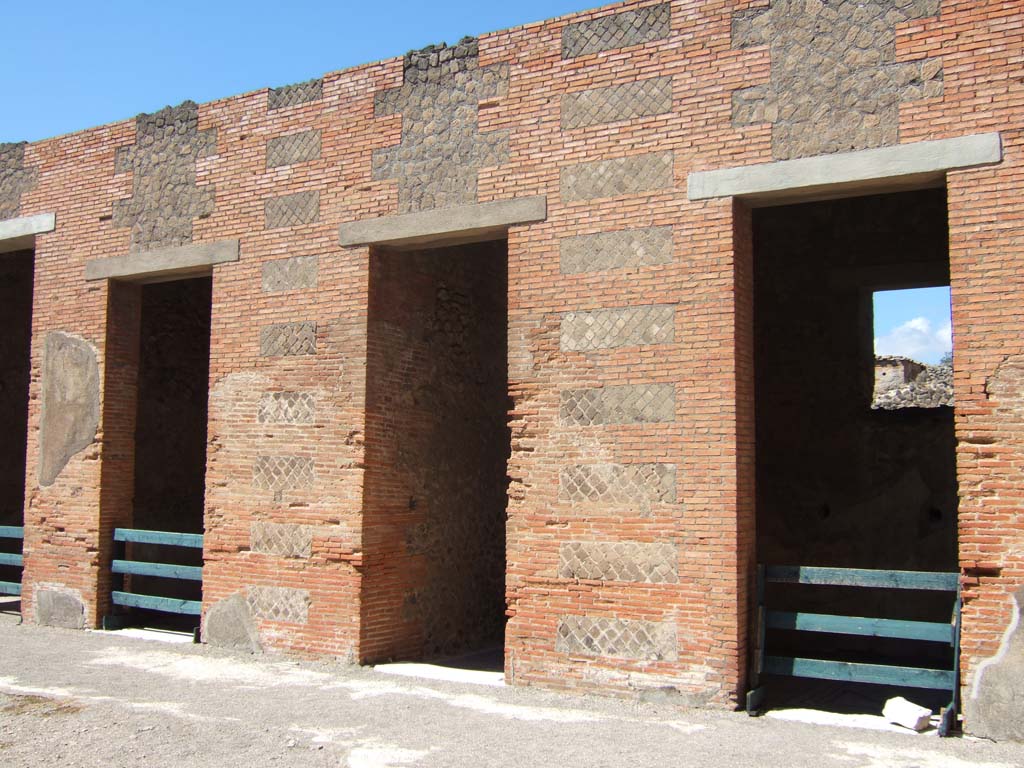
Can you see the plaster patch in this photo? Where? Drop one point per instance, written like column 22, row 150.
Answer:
column 70, row 402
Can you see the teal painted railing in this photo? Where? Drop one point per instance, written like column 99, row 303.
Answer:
column 14, row 560
column 161, row 570
column 844, row 671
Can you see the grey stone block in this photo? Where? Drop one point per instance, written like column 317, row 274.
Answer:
column 283, row 473
column 619, row 561
column 19, row 234
column 623, row 404
column 293, row 95
column 70, row 403
column 165, row 196
column 288, row 340
column 617, row 102
column 229, row 624
column 294, row 274
column 179, row 261
column 293, row 148
column 283, row 540
column 619, row 30
column 636, row 485
column 851, row 104
column 612, row 328
column 617, row 177
column 643, row 640
column 59, row 608
column 280, row 604
column 615, row 250
column 292, row 210
column 287, row 408
column 993, row 706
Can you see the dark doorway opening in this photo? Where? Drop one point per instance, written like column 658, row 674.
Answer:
column 839, row 483
column 437, row 447
column 16, row 284
column 170, row 437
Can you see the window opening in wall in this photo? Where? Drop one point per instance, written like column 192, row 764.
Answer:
column 841, row 484
column 16, row 284
column 437, row 447
column 913, row 342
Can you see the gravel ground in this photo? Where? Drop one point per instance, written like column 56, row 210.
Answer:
column 94, row 699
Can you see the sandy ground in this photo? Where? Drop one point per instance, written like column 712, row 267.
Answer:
column 93, row 699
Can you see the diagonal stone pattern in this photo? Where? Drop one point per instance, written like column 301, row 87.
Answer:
column 645, row 640
column 619, row 561
column 287, row 408
column 633, row 484
column 612, row 328
column 644, row 247
column 279, row 604
column 295, row 94
column 616, row 177
column 283, row 540
column 619, row 30
column 617, row 102
column 292, row 210
column 288, row 340
column 293, row 148
column 621, row 404
column 283, row 473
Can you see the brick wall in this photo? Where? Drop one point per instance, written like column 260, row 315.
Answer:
column 630, row 330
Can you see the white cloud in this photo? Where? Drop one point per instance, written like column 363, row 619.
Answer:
column 916, row 339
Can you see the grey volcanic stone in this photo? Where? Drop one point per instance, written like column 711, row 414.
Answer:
column 70, row 402
column 15, row 179
column 57, row 608
column 229, row 624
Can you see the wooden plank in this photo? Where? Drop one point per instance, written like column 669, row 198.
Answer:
column 6, row 559
column 856, row 625
column 11, row 532
column 194, row 540
column 163, row 570
column 9, row 588
column 153, row 603
column 859, row 577
column 913, row 677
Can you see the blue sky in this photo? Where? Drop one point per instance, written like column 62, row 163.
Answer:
column 913, row 323
column 75, row 65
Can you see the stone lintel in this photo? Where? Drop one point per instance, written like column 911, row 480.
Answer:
column 19, row 234
column 164, row 263
column 446, row 226
column 887, row 169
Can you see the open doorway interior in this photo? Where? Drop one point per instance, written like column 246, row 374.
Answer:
column 16, row 283
column 170, row 437
column 437, row 447
column 845, row 477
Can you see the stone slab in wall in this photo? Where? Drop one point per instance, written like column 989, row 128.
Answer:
column 70, row 402
column 633, row 484
column 623, row 404
column 293, row 148
column 229, row 624
column 15, row 179
column 617, row 177
column 288, row 340
column 622, row 327
column 59, row 607
column 619, row 30
column 619, row 561
column 643, row 640
column 993, row 706
column 294, row 274
column 626, row 101
column 645, row 247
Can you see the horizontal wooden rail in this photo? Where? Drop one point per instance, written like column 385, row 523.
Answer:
column 165, row 604
column 845, row 671
column 12, row 532
column 857, row 625
column 9, row 559
column 163, row 570
column 10, row 588
column 859, row 577
column 193, row 540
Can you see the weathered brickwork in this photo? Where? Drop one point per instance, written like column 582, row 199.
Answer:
column 295, row 274
column 293, row 148
column 646, row 640
column 287, row 408
column 624, row 404
column 292, row 210
column 618, row 31
column 636, row 484
column 280, row 604
column 855, row 103
column 442, row 146
column 166, row 197
column 288, row 340
column 283, row 540
column 619, row 561
column 630, row 430
column 15, row 179
column 283, row 473
column 610, row 328
column 615, row 250
column 617, row 102
column 294, row 95
column 620, row 176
